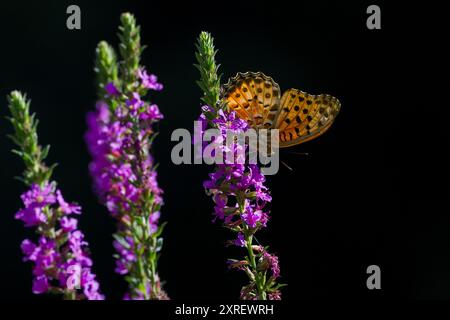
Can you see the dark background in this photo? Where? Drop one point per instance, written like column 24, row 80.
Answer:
column 374, row 189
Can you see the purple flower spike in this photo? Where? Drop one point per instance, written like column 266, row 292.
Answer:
column 52, row 254
column 52, row 261
column 240, row 198
column 124, row 177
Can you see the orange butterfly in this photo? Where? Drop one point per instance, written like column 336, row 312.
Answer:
column 299, row 116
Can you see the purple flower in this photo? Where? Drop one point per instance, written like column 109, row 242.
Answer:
column 121, row 267
column 31, row 216
column 149, row 81
column 90, row 285
column 240, row 241
column 153, row 220
column 229, row 121
column 126, row 254
column 68, row 224
column 122, row 168
column 220, row 199
column 240, row 197
column 273, row 263
column 28, row 249
column 251, row 217
column 66, row 207
column 111, row 89
column 276, row 295
column 40, row 284
column 39, row 196
column 90, row 290
column 46, row 208
column 151, row 112
column 135, row 102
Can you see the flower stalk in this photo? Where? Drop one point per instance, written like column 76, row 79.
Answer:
column 60, row 256
column 120, row 135
column 237, row 189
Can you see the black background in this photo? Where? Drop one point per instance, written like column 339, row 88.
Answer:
column 374, row 189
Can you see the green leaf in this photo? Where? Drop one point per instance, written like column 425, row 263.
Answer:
column 160, row 230
column 121, row 240
column 159, row 244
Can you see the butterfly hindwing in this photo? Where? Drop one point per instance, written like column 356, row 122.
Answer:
column 303, row 117
column 254, row 97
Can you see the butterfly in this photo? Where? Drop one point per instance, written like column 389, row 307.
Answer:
column 297, row 115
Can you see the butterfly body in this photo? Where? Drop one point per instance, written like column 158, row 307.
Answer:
column 297, row 115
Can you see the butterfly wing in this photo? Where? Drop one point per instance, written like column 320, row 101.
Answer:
column 254, row 96
column 304, row 117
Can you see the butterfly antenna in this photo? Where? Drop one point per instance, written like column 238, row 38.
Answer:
column 300, row 153
column 284, row 163
column 256, row 240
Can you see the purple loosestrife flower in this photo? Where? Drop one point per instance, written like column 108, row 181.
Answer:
column 123, row 178
column 240, row 241
column 60, row 249
column 238, row 191
column 111, row 89
column 119, row 137
column 240, row 199
column 238, row 180
column 149, row 81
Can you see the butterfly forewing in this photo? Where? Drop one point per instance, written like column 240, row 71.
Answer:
column 255, row 98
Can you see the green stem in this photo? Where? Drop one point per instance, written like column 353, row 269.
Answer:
column 155, row 287
column 259, row 278
column 143, row 276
